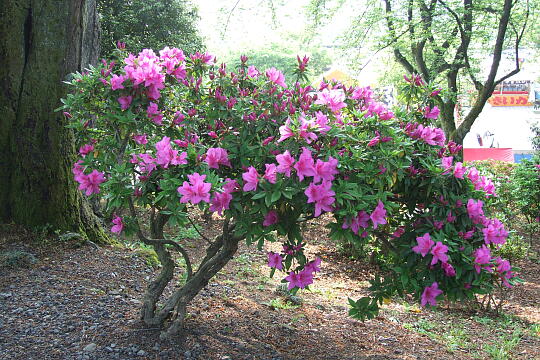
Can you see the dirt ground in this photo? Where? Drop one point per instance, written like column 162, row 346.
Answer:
column 81, row 302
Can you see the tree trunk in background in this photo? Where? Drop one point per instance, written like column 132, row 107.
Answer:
column 40, row 43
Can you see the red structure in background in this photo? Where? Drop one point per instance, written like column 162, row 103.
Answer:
column 511, row 93
column 503, row 154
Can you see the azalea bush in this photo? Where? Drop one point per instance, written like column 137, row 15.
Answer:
column 168, row 133
column 518, row 190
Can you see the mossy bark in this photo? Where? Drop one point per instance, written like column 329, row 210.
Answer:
column 41, row 42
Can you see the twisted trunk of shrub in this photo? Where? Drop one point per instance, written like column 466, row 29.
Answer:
column 170, row 316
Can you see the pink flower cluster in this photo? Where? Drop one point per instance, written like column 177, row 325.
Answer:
column 361, row 220
column 479, row 182
column 483, row 260
column 306, row 129
column 432, row 136
column 321, row 171
column 334, row 99
column 217, row 156
column 494, row 231
column 438, row 252
column 87, row 183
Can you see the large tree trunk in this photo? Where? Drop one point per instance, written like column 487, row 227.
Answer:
column 41, row 42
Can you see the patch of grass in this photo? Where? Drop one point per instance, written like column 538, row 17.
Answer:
column 186, row 233
column 243, row 259
column 502, row 348
column 535, row 330
column 279, row 303
column 14, row 259
column 456, row 338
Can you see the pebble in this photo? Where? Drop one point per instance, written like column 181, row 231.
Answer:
column 141, row 353
column 90, row 347
column 6, row 295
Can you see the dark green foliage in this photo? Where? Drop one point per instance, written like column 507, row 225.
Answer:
column 151, row 24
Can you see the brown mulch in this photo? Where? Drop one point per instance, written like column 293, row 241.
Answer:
column 82, row 303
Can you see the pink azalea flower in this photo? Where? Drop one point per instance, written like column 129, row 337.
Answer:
column 473, row 175
column 482, row 256
column 439, row 253
column 270, row 218
column 424, row 244
column 321, row 195
column 140, row 139
column 431, row 113
column 216, row 157
column 78, row 171
column 220, row 202
column 448, row 269
column 268, row 140
column 253, row 72
column 474, row 209
column 504, row 270
column 152, row 110
column 313, row 266
column 447, row 162
column 276, row 77
column 300, row 280
column 116, row 82
column 196, row 190
column 361, row 220
column 275, row 260
column 271, row 173
column 125, row 101
column 285, row 131
column 146, row 163
column 378, row 215
column 86, row 149
column 286, row 162
column 305, row 165
column 494, row 232
column 305, row 127
column 325, row 170
column 374, row 141
column 430, row 294
column 118, row 225
column 334, row 99
column 459, row 170
column 322, row 122
column 231, row 186
column 90, row 183
column 251, row 178
column 166, row 156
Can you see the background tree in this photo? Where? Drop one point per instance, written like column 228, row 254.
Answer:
column 151, row 24
column 39, row 46
column 283, row 56
column 444, row 41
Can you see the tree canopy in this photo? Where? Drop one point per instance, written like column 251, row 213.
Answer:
column 149, row 24
column 445, row 41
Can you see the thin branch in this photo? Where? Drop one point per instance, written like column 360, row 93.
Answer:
column 229, row 18
column 398, row 55
column 197, row 230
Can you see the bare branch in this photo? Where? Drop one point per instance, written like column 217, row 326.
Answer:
column 197, row 230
